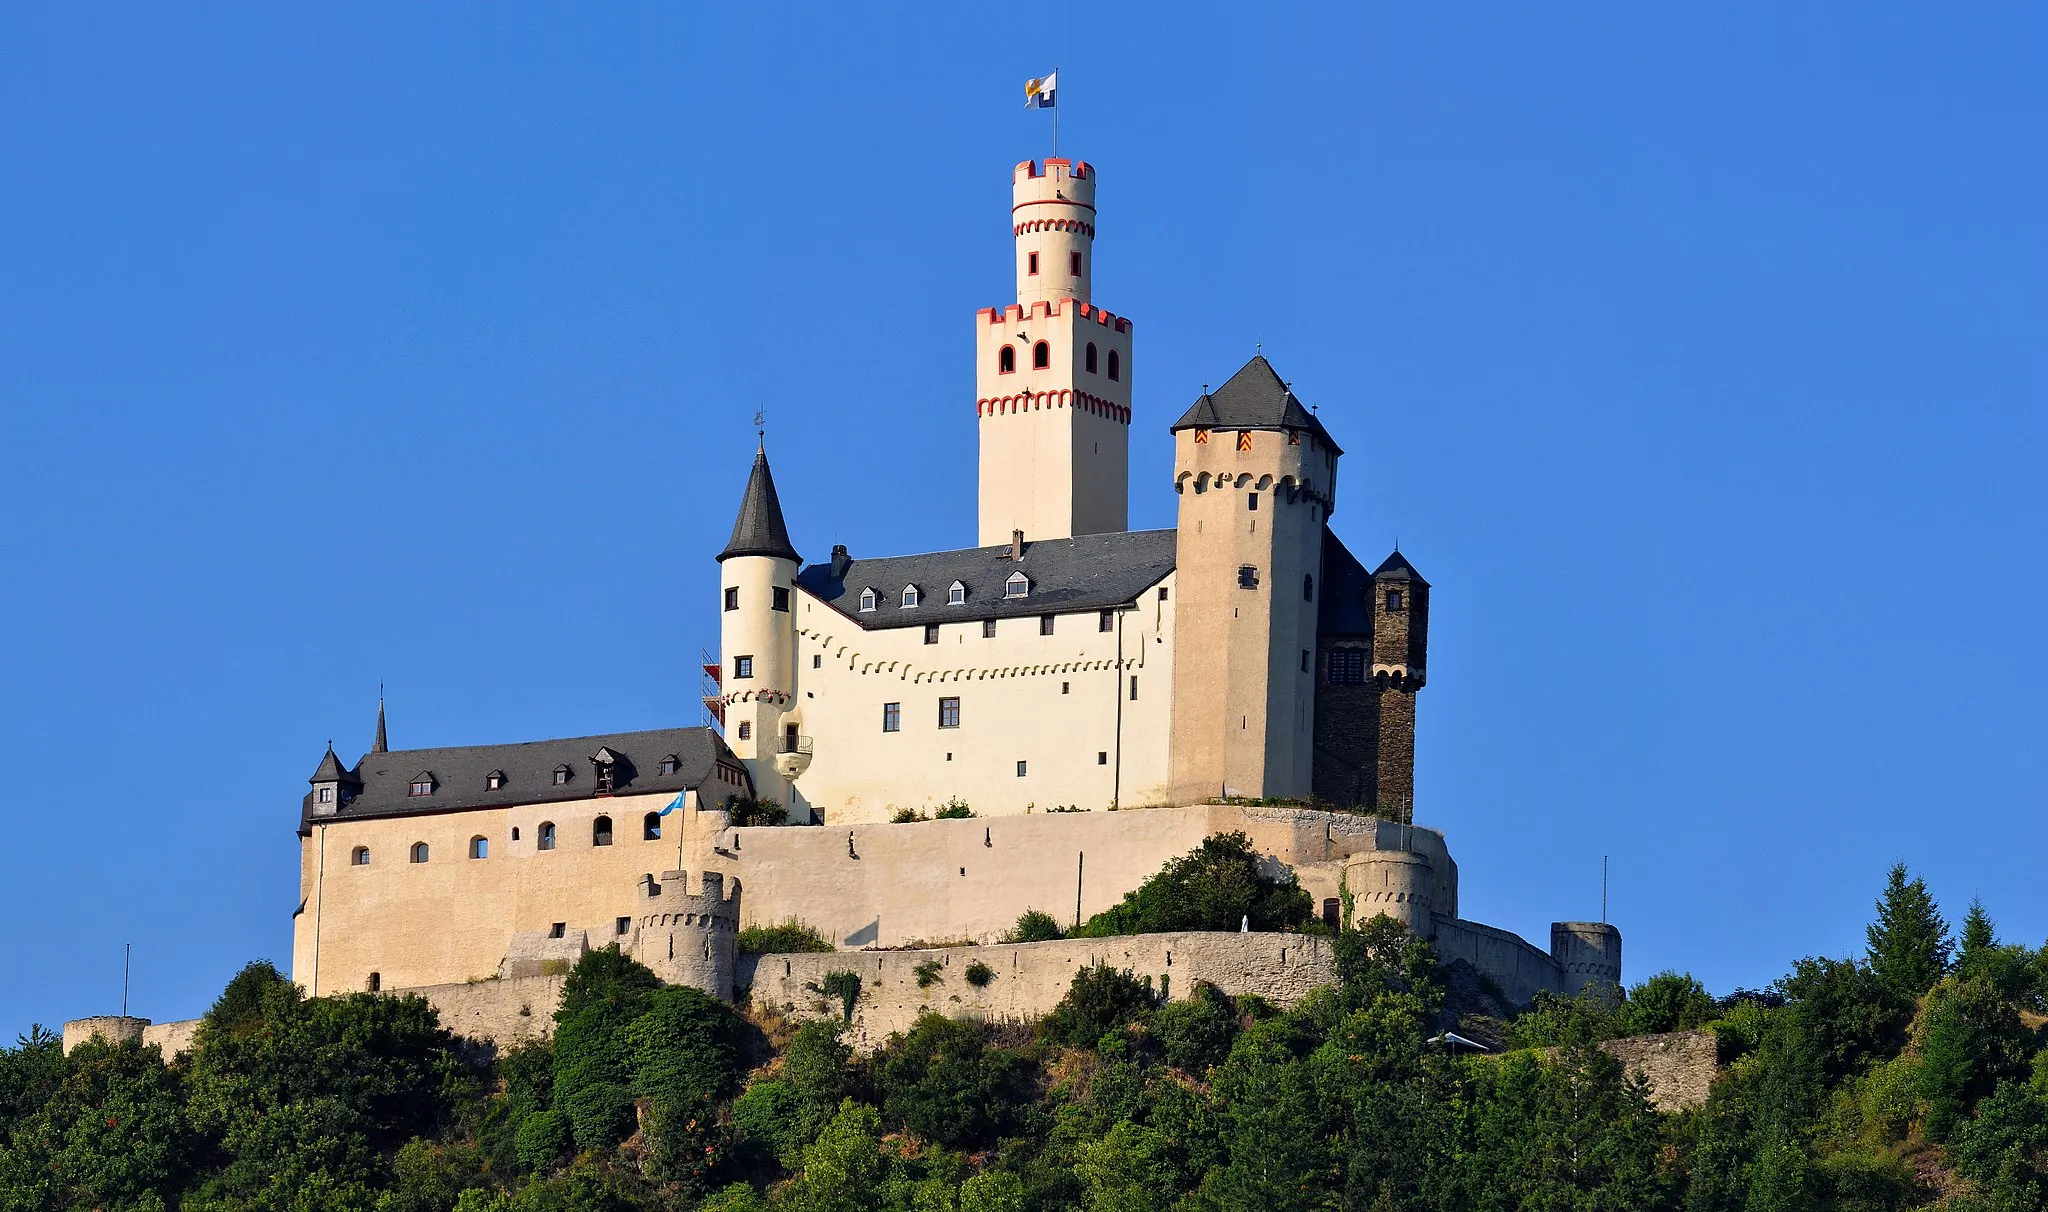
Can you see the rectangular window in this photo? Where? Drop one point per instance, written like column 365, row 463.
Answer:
column 1045, row 624
column 931, row 633
column 1020, row 769
column 782, row 599
column 1107, row 622
column 1102, row 757
column 743, row 667
column 1304, row 660
column 1074, row 264
column 1134, row 688
column 732, row 598
column 817, row 662
column 1031, row 263
column 622, row 925
column 1347, row 667
column 1063, row 687
column 1247, row 577
column 327, row 795
column 988, row 629
column 949, row 713
column 892, row 717
column 1251, row 502
column 1162, row 593
column 746, row 730
column 1393, row 601
column 558, row 930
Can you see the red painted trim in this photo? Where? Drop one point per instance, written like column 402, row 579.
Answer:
column 1087, row 206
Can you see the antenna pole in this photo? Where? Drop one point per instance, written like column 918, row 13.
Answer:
column 126, row 950
column 1603, row 890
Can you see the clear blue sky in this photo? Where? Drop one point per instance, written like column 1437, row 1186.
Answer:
column 1696, row 359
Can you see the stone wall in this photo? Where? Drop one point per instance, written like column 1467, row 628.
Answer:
column 173, row 1038
column 1029, row 979
column 1680, row 1067
column 508, row 1012
column 1516, row 966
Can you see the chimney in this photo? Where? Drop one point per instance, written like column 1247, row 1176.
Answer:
column 1016, row 544
column 840, row 561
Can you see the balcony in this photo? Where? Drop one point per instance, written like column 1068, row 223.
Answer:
column 792, row 756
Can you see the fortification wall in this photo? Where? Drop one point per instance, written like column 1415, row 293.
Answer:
column 1680, row 1066
column 173, row 1038
column 508, row 1012
column 1029, row 979
column 1517, row 967
column 888, row 885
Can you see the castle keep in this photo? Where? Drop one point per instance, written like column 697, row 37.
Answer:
column 1102, row 698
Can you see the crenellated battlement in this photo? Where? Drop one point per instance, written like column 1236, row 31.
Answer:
column 1045, row 309
column 1055, row 168
column 689, row 938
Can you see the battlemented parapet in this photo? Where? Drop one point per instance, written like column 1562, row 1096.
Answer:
column 1587, row 953
column 112, row 1028
column 1399, row 884
column 689, row 938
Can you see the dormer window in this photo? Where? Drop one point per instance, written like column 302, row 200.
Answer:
column 867, row 600
column 327, row 795
column 561, row 776
column 910, row 596
column 422, row 783
column 956, row 594
column 1018, row 585
column 607, row 764
column 671, row 764
column 494, row 781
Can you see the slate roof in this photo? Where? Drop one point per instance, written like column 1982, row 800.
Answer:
column 1254, row 398
column 1344, row 599
column 759, row 530
column 1397, row 568
column 1086, row 572
column 460, row 773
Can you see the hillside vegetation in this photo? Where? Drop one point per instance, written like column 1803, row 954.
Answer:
column 1912, row 1076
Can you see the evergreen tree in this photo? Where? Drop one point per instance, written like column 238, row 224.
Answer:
column 1909, row 943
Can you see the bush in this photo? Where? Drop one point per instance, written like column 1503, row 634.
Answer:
column 1215, row 886
column 980, row 974
column 1034, row 926
column 1667, row 1002
column 928, row 973
column 843, row 987
column 906, row 816
column 784, row 938
column 542, row 1141
column 1196, row 1033
column 955, row 809
column 944, row 1083
column 594, row 1063
column 1100, row 1000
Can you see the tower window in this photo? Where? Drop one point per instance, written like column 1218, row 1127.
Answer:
column 910, row 595
column 1041, row 356
column 650, row 827
column 1308, row 587
column 1393, row 601
column 1162, row 593
column 931, row 633
column 949, row 713
column 1088, row 358
column 544, row 838
column 327, row 795
column 781, row 600
column 561, row 776
column 359, row 857
column 601, row 831
column 1006, row 361
column 1106, row 621
column 419, row 852
column 1020, row 768
column 746, row 730
column 1116, row 367
column 732, row 598
column 1247, row 577
column 1074, row 264
column 1045, row 624
column 892, row 717
column 988, row 629
column 1251, row 502
column 1304, row 660
column 621, row 925
column 1347, row 667
column 817, row 662
column 743, row 667
column 376, row 983
column 479, row 847
column 1031, row 264
column 1134, row 688
column 1102, row 757
column 558, row 930
column 1018, row 585
column 867, row 600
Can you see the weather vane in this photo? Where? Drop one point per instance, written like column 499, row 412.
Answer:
column 760, row 426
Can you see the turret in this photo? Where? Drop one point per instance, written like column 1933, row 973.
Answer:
column 689, row 938
column 757, row 634
column 1256, row 477
column 1400, row 649
column 1053, row 374
column 333, row 786
column 1589, row 953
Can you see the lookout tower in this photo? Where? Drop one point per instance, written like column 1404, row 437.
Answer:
column 1053, row 373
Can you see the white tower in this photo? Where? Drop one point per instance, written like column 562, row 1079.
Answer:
column 1053, row 374
column 757, row 633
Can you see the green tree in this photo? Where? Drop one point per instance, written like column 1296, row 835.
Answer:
column 1197, row 1032
column 1100, row 999
column 1973, row 1039
column 1034, row 926
column 1667, row 1002
column 110, row 1134
column 593, row 1081
column 782, row 1115
column 844, row 1169
column 943, row 1082
column 1908, row 943
column 1219, row 885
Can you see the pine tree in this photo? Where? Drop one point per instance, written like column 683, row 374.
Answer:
column 1978, row 938
column 1909, row 943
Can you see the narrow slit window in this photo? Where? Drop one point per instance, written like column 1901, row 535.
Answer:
column 1116, row 367
column 1088, row 359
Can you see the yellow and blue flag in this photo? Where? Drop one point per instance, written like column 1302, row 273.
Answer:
column 1038, row 94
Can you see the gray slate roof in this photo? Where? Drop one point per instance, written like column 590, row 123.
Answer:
column 1397, row 568
column 1086, row 572
column 461, row 773
column 1344, row 599
column 759, row 530
column 1254, row 398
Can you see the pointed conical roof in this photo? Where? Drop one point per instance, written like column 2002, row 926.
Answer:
column 759, row 530
column 380, row 745
column 1397, row 568
column 1254, row 398
column 331, row 770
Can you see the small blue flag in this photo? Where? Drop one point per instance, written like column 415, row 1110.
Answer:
column 673, row 804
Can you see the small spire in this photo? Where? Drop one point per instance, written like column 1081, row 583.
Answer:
column 759, row 529
column 380, row 745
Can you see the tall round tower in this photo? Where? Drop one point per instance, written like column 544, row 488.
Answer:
column 757, row 634
column 1053, row 210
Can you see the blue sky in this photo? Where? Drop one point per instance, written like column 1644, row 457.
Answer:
column 1696, row 358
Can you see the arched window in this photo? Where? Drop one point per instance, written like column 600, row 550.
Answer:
column 867, row 600
column 479, row 847
column 910, row 595
column 1006, row 361
column 1088, row 358
column 1041, row 356
column 376, row 982
column 601, row 831
column 1116, row 367
column 545, row 839
column 359, row 857
column 1308, row 588
column 1017, row 586
column 650, row 827
column 515, row 833
column 419, row 852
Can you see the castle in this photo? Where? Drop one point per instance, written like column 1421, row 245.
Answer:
column 1102, row 699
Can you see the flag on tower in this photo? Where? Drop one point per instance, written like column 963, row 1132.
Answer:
column 1038, row 94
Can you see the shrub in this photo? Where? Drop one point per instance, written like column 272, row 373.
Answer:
column 783, row 938
column 1100, row 999
column 1215, row 886
column 928, row 973
column 1034, row 926
column 1667, row 1002
column 542, row 1140
column 1196, row 1033
column 758, row 812
column 943, row 1082
column 980, row 974
column 955, row 809
column 905, row 816
column 785, row 1113
column 605, row 992
column 841, row 986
